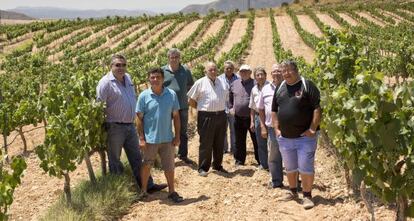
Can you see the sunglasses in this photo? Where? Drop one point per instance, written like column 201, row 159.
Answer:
column 120, row 65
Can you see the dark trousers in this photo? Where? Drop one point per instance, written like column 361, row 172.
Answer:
column 241, row 126
column 211, row 129
column 183, row 148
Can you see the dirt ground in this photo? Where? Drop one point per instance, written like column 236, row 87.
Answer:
column 327, row 20
column 348, row 19
column 185, row 33
column 212, row 30
column 309, row 25
column 236, row 33
column 291, row 40
column 370, row 18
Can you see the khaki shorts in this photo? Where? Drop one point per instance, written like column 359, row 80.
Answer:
column 166, row 152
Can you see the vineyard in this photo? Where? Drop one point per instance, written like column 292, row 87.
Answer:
column 360, row 55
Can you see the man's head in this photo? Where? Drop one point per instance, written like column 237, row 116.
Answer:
column 156, row 77
column 228, row 68
column 290, row 72
column 118, row 65
column 260, row 75
column 211, row 69
column 277, row 73
column 245, row 71
column 174, row 56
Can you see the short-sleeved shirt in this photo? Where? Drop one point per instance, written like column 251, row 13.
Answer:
column 210, row 95
column 294, row 107
column 255, row 95
column 179, row 81
column 157, row 111
column 239, row 96
column 265, row 102
column 226, row 83
column 120, row 99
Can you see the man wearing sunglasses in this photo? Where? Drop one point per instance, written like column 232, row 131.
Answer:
column 116, row 90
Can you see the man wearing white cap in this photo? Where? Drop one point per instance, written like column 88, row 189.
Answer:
column 239, row 97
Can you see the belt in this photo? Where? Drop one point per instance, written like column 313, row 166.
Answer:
column 122, row 123
column 212, row 112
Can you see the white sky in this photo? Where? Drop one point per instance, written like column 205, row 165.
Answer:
column 154, row 5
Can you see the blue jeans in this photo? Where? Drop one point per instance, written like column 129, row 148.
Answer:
column 230, row 125
column 124, row 135
column 275, row 158
column 183, row 148
column 261, row 143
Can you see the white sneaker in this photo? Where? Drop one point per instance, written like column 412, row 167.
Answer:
column 307, row 203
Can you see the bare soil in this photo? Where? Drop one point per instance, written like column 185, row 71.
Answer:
column 371, row 18
column 184, row 33
column 309, row 25
column 261, row 50
column 327, row 20
column 291, row 40
column 212, row 30
column 15, row 21
column 348, row 19
column 237, row 31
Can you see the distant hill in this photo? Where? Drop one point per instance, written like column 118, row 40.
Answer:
column 56, row 13
column 230, row 5
column 14, row 15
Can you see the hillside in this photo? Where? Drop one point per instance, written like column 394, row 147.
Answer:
column 229, row 5
column 14, row 15
column 57, row 13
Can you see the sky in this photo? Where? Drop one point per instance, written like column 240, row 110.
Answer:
column 152, row 5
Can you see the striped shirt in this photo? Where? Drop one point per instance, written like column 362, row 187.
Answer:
column 255, row 95
column 209, row 95
column 120, row 99
column 265, row 102
column 226, row 83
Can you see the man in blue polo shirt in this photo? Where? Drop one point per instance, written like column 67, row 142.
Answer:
column 156, row 107
column 177, row 77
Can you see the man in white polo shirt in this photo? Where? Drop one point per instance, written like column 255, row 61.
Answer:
column 209, row 97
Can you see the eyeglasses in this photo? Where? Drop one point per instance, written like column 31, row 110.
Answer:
column 120, row 65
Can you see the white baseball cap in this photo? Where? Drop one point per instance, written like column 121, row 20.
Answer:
column 245, row 67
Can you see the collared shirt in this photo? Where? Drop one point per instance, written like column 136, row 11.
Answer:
column 265, row 102
column 179, row 81
column 120, row 99
column 157, row 111
column 209, row 95
column 255, row 95
column 226, row 83
column 239, row 96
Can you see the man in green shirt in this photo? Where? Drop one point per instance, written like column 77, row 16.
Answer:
column 178, row 78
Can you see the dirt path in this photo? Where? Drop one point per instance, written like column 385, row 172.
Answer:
column 154, row 36
column 243, row 195
column 309, row 25
column 236, row 33
column 372, row 19
column 212, row 30
column 327, row 20
column 395, row 17
column 407, row 11
column 127, row 33
column 38, row 190
column 261, row 50
column 291, row 40
column 147, row 35
column 184, row 33
column 348, row 19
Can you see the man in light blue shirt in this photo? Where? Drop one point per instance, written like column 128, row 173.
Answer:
column 116, row 90
column 156, row 107
column 226, row 79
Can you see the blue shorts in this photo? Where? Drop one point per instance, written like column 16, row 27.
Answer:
column 298, row 154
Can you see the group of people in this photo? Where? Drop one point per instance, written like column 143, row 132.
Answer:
column 281, row 116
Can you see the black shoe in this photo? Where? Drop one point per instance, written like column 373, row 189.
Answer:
column 175, row 197
column 186, row 160
column 156, row 188
column 202, row 173
column 221, row 169
column 271, row 185
column 238, row 163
